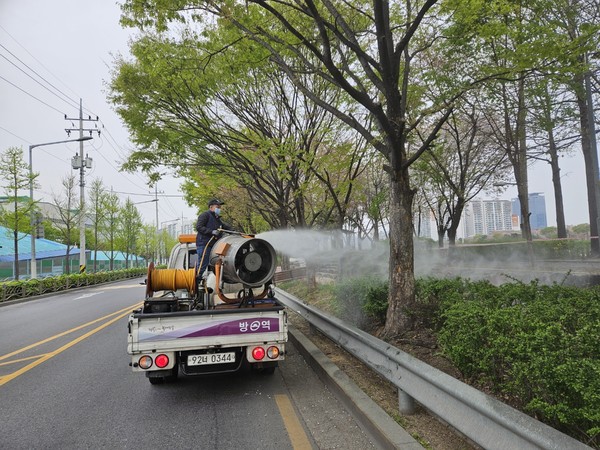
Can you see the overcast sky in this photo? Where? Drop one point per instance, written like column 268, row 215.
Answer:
column 53, row 53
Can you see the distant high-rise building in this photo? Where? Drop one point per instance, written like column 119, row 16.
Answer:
column 537, row 209
column 184, row 226
column 482, row 217
column 424, row 225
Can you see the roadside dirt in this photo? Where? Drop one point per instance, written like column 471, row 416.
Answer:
column 431, row 432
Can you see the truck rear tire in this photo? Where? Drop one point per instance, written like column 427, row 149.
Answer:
column 163, row 376
column 156, row 380
column 268, row 370
column 264, row 368
column 172, row 377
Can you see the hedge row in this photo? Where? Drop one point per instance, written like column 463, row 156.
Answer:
column 537, row 345
column 518, row 251
column 12, row 290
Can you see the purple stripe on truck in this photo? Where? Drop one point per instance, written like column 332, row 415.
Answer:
column 160, row 332
column 240, row 326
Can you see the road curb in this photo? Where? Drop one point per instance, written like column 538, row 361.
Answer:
column 385, row 432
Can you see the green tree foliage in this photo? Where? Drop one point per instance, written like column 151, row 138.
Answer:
column 462, row 163
column 535, row 46
column 69, row 211
column 549, row 232
column 238, row 120
column 365, row 53
column 147, row 242
column 129, row 225
column 16, row 215
column 97, row 213
column 111, row 207
column 165, row 244
column 582, row 228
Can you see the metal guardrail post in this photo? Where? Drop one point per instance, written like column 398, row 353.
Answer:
column 406, row 404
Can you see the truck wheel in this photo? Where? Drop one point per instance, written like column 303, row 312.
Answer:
column 264, row 368
column 268, row 370
column 172, row 377
column 156, row 380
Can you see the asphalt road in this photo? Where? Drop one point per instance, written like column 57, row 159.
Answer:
column 65, row 383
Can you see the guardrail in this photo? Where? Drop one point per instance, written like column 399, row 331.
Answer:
column 481, row 418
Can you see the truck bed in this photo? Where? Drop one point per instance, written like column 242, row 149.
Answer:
column 223, row 327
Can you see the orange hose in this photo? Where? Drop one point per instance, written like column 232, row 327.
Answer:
column 172, row 280
column 218, row 285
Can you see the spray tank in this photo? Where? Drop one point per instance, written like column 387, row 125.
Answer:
column 243, row 259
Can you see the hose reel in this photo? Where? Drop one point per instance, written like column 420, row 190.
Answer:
column 169, row 280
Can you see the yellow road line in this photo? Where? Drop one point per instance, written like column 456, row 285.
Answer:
column 13, row 361
column 68, row 345
column 127, row 286
column 64, row 333
column 292, row 424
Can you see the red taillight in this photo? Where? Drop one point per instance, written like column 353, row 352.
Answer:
column 258, row 353
column 273, row 352
column 145, row 362
column 161, row 361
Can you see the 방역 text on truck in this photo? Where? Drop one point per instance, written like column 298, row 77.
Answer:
column 217, row 322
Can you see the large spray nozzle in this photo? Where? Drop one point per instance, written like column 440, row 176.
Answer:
column 246, row 260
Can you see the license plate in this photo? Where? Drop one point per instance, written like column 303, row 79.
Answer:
column 211, row 358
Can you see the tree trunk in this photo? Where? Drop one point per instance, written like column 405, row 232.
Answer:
column 588, row 157
column 453, row 228
column 561, row 226
column 441, row 231
column 555, row 167
column 521, row 170
column 95, row 247
column 68, row 259
column 401, row 299
column 16, row 243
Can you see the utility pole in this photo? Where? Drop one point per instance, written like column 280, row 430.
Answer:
column 158, row 229
column 78, row 162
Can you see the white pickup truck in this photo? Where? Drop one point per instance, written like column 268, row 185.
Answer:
column 210, row 324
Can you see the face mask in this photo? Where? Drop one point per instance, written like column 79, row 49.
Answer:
column 217, row 211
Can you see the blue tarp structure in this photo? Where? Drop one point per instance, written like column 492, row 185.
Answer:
column 51, row 256
column 44, row 248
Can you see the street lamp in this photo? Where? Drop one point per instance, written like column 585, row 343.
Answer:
column 32, row 214
column 146, row 201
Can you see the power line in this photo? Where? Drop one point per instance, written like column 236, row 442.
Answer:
column 31, row 95
column 150, row 195
column 39, row 62
column 68, row 100
column 18, row 137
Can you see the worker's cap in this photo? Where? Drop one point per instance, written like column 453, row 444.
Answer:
column 215, row 201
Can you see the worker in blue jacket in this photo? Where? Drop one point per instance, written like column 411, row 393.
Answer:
column 208, row 225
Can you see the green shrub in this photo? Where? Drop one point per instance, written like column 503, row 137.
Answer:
column 352, row 295
column 511, row 251
column 540, row 345
column 28, row 288
column 376, row 302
